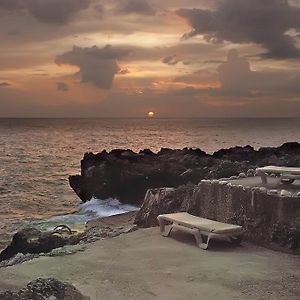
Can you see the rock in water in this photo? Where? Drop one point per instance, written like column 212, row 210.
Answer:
column 45, row 289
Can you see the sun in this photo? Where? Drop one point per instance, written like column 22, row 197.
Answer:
column 151, row 114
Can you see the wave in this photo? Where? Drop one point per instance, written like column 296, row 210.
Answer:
column 90, row 210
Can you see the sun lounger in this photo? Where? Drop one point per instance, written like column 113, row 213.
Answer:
column 287, row 174
column 202, row 229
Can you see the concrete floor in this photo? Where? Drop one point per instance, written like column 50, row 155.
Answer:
column 273, row 183
column 144, row 265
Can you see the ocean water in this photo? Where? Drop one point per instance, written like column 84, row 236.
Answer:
column 38, row 155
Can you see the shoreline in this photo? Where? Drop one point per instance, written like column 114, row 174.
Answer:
column 129, row 175
column 92, row 231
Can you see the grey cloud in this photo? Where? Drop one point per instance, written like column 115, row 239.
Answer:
column 11, row 4
column 14, row 33
column 62, row 86
column 141, row 7
column 99, row 8
column 214, row 61
column 235, row 74
column 237, row 80
column 49, row 11
column 170, row 60
column 189, row 91
column 98, row 66
column 4, row 84
column 263, row 22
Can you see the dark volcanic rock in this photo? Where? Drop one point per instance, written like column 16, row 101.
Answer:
column 45, row 289
column 79, row 185
column 163, row 201
column 127, row 175
column 32, row 241
column 236, row 153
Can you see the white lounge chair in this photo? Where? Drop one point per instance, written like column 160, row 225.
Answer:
column 200, row 227
column 287, row 174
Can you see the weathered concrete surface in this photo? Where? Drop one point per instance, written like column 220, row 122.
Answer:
column 145, row 265
column 268, row 219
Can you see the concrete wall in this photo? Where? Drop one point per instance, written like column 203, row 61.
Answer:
column 269, row 220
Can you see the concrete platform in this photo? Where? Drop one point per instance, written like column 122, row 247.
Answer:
column 273, row 183
column 145, row 265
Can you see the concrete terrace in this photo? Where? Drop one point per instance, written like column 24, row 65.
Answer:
column 145, row 265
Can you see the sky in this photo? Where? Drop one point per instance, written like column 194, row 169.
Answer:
column 124, row 58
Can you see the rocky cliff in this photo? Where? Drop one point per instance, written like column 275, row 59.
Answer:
column 127, row 175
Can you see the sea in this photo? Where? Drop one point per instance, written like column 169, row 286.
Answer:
column 38, row 155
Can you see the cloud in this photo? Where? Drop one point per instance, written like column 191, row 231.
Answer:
column 4, row 84
column 214, row 61
column 14, row 33
column 49, row 11
column 98, row 66
column 263, row 22
column 237, row 80
column 170, row 60
column 141, row 7
column 62, row 86
column 124, row 71
column 235, row 74
column 188, row 91
column 11, row 4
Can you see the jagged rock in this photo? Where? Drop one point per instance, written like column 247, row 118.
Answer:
column 78, row 184
column 162, row 201
column 236, row 153
column 45, row 289
column 250, row 173
column 127, row 175
column 285, row 193
column 31, row 240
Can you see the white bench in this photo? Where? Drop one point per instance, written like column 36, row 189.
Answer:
column 287, row 174
column 200, row 227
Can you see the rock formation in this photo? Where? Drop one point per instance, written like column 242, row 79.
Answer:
column 30, row 243
column 127, row 175
column 31, row 240
column 43, row 289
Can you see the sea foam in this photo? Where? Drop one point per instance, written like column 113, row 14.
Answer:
column 90, row 210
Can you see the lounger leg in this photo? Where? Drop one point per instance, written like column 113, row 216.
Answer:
column 263, row 176
column 199, row 240
column 162, row 224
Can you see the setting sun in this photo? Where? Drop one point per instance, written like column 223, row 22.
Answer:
column 151, row 114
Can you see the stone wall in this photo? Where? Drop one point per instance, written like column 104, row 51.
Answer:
column 268, row 219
